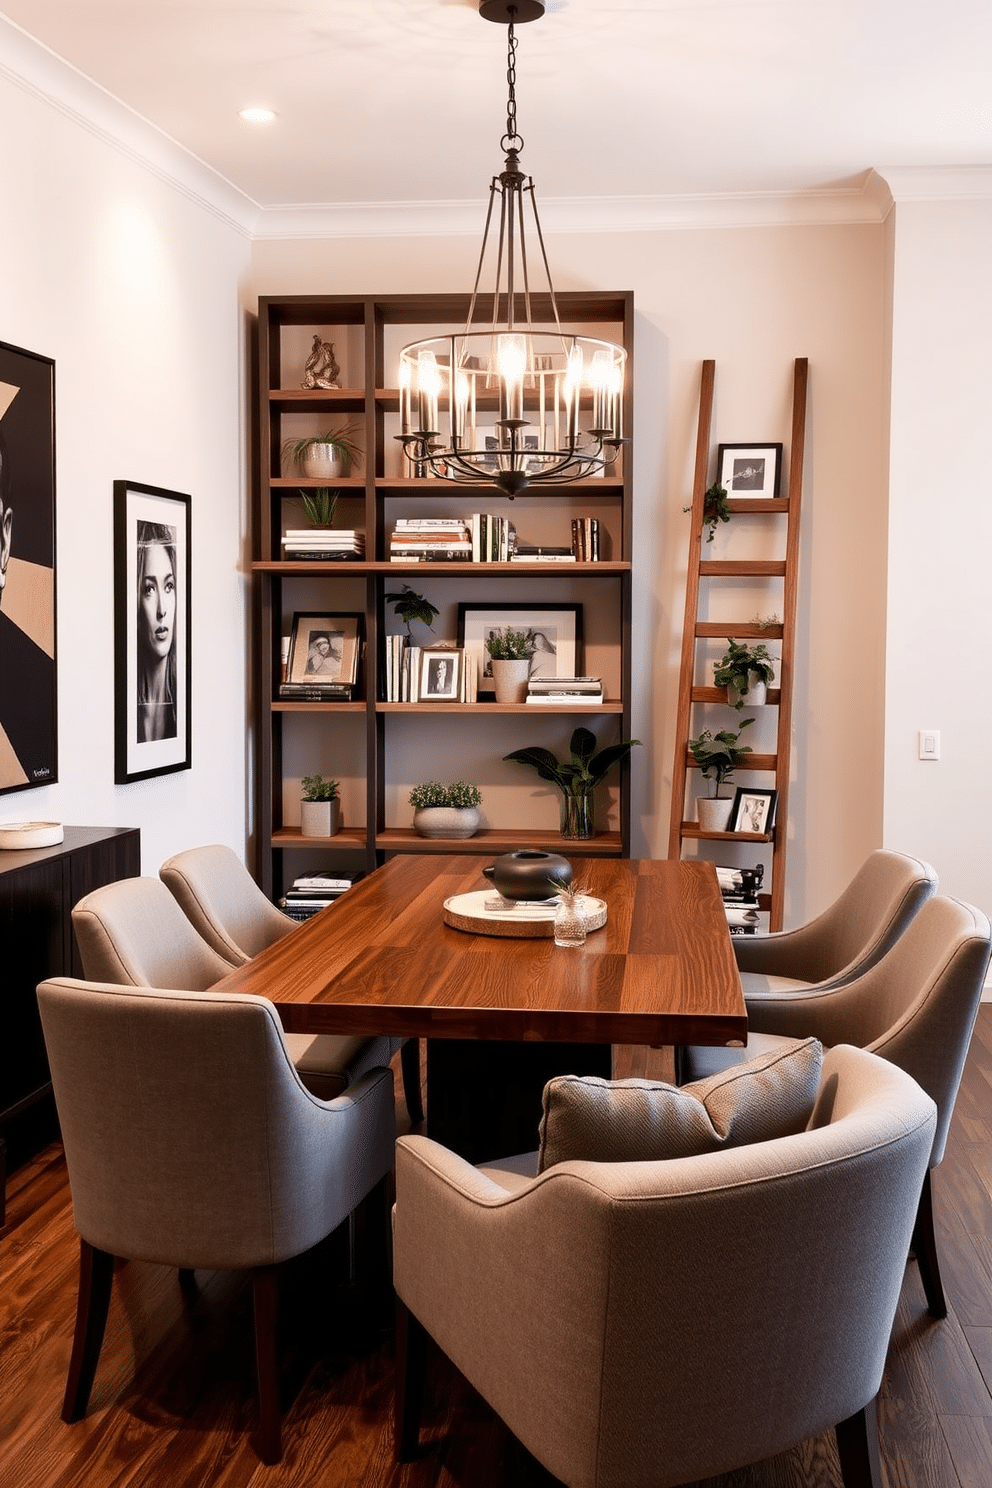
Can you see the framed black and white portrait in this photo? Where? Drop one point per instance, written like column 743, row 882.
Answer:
column 324, row 650
column 753, row 810
column 440, row 674
column 28, row 719
column 553, row 631
column 152, row 631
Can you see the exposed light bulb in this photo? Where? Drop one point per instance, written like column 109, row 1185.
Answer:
column 257, row 113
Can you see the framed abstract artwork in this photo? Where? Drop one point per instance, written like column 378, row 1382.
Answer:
column 152, row 631
column 28, row 696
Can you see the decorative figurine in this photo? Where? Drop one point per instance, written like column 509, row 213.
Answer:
column 321, row 370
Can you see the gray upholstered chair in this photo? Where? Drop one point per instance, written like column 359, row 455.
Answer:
column 916, row 1007
column 650, row 1323
column 228, row 910
column 842, row 942
column 191, row 1142
column 133, row 933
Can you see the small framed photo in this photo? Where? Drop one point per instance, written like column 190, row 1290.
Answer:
column 440, row 675
column 751, row 471
column 753, row 811
column 324, row 649
column 152, row 631
column 554, row 632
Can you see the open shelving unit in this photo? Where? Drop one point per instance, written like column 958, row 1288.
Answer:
column 380, row 748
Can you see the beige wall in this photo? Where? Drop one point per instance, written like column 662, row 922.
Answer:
column 753, row 299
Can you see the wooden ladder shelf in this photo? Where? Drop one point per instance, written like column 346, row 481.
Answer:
column 694, row 629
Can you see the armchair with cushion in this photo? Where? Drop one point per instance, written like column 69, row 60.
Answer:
column 191, row 1142
column 133, row 933
column 228, row 910
column 647, row 1323
column 916, row 1007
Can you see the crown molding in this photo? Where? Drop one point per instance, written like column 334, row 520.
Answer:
column 867, row 200
column 35, row 69
column 938, row 183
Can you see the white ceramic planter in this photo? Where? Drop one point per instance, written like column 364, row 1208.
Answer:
column 510, row 679
column 320, row 818
column 756, row 695
column 446, row 821
column 324, row 462
column 713, row 812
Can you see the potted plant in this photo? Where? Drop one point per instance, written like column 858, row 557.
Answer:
column 745, row 671
column 320, row 808
column 320, row 505
column 717, row 756
column 446, row 810
column 576, row 777
column 511, row 652
column 326, row 455
column 715, row 508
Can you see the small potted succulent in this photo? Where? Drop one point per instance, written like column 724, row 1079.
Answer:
column 325, row 456
column 745, row 671
column 718, row 755
column 320, row 505
column 320, row 807
column 446, row 810
column 511, row 652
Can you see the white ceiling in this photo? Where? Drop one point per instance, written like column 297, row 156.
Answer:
column 404, row 100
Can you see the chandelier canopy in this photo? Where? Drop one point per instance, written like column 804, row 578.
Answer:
column 552, row 398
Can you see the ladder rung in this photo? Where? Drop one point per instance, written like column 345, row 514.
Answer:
column 726, row 628
column 719, row 695
column 750, row 762
column 767, row 568
column 693, row 829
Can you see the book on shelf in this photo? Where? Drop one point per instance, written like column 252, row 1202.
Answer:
column 431, row 555
column 317, row 692
column 573, row 684
column 565, row 695
column 585, row 539
column 519, row 557
column 329, row 878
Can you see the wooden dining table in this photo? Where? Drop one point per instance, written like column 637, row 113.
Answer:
column 502, row 1014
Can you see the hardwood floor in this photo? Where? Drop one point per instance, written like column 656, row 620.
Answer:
column 174, row 1400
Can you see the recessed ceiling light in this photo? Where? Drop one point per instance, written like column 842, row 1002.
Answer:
column 257, row 114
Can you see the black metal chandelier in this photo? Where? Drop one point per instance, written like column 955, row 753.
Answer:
column 556, row 397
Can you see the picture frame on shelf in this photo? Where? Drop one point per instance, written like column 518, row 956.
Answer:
column 153, row 643
column 28, row 682
column 753, row 810
column 751, row 472
column 556, row 630
column 441, row 674
column 325, row 649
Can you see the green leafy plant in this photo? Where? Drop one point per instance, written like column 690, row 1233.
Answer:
column 459, row 794
column 715, row 508
column 720, row 754
column 320, row 505
column 316, row 788
column 342, row 440
column 584, row 767
column 737, row 661
column 507, row 644
column 411, row 606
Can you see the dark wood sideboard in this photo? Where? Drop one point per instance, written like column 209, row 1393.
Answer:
column 38, row 888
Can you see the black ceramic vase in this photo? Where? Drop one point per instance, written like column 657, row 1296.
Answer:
column 527, row 874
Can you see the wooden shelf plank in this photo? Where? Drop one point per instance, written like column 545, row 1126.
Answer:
column 405, row 839
column 349, row 569
column 348, row 837
column 724, row 629
column 719, row 695
column 767, row 568
column 693, row 829
column 534, row 709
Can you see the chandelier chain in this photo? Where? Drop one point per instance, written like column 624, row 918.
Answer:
column 512, row 139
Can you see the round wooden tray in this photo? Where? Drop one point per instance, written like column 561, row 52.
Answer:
column 18, row 835
column 533, row 921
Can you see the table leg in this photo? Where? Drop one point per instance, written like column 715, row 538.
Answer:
column 484, row 1095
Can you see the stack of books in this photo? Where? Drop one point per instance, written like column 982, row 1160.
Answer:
column 323, row 544
column 739, row 889
column 564, row 691
column 315, row 891
column 494, row 538
column 430, row 540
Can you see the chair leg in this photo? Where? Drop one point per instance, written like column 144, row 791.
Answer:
column 265, row 1298
column 412, row 1093
column 96, row 1277
column 411, row 1349
column 857, row 1445
column 925, row 1246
